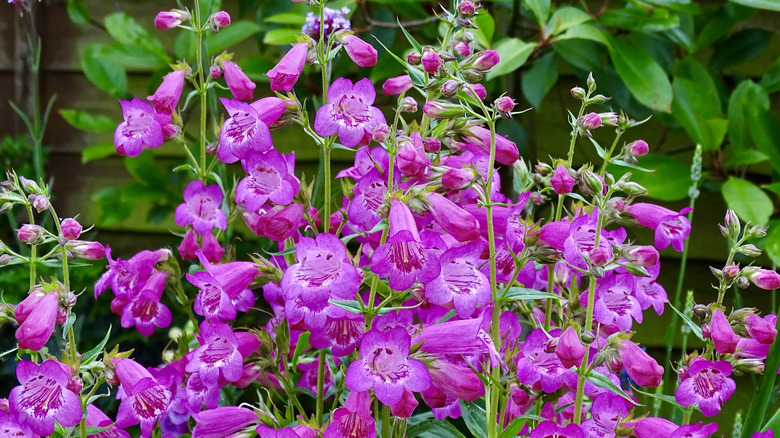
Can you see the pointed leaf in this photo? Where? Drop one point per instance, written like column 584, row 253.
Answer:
column 646, row 80
column 747, row 200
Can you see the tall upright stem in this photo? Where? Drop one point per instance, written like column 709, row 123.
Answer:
column 320, row 386
column 202, row 91
column 492, row 399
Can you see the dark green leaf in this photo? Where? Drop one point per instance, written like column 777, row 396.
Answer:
column 410, row 38
column 88, row 122
column 748, row 156
column 696, row 102
column 685, row 6
column 433, row 429
column 97, row 151
column 603, row 381
column 582, row 53
column 656, row 20
column 669, row 182
column 747, row 96
column 126, row 30
column 772, row 5
column 524, row 293
column 514, row 428
column 695, row 328
column 106, row 75
column 646, row 80
column 132, row 57
column 514, row 52
column 747, row 200
column 256, row 67
column 539, row 80
column 475, row 418
column 418, row 77
column 235, row 33
column 144, row 171
column 740, row 47
column 540, row 9
column 78, row 12
column 351, row 306
column 721, row 23
column 765, row 130
column 303, row 344
column 771, row 79
column 584, row 31
column 285, row 18
column 772, row 244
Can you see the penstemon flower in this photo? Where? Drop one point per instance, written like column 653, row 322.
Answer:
column 201, row 208
column 43, row 398
column 708, row 385
column 142, row 128
column 349, row 112
column 244, row 133
column 145, row 399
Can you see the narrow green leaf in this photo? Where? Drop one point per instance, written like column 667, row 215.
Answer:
column 740, row 47
column 92, row 354
column 475, row 418
column 564, row 18
column 78, row 12
column 514, row 427
column 410, row 38
column 418, row 77
column 514, row 52
column 603, row 381
column 88, row 122
column 303, row 344
column 747, row 200
column 646, row 80
column 524, row 293
column 286, row 18
column 433, row 429
column 348, row 305
column 695, row 328
column 663, row 397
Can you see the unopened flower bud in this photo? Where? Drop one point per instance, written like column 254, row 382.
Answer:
column 599, row 257
column 39, row 202
column 442, row 110
column 169, row 19
column 562, row 182
column 749, row 250
column 86, row 250
column 504, row 105
column 632, row 188
column 610, row 119
column 71, row 229
column 431, row 145
column 591, row 182
column 414, row 58
column 591, row 83
column 215, row 72
column 636, row 270
column 765, row 279
column 743, row 283
column 472, row 76
column 5, row 259
column 645, row 256
column 577, row 93
column 450, row 88
column 457, row 179
column 408, row 104
column 536, row 198
column 220, row 19
column 30, row 186
column 380, row 132
column 462, row 49
column 755, row 232
column 486, row 60
column 466, row 8
column 638, row 148
column 211, row 148
column 431, row 61
column 30, row 234
column 543, row 169
column 589, row 121
column 700, row 310
column 731, row 222
column 597, row 99
column 466, row 37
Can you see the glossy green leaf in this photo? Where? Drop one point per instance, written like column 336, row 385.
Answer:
column 771, row 79
column 740, row 47
column 132, row 57
column 582, row 53
column 646, row 80
column 540, row 9
column 746, row 157
column 584, row 31
column 514, row 428
column 78, row 12
column 721, row 23
column 772, row 5
column 696, row 102
column 97, row 151
column 564, row 18
column 514, row 52
column 685, row 6
column 106, row 75
column 88, row 122
column 433, row 429
column 747, row 96
column 474, row 416
column 234, row 34
column 350, row 306
column 747, row 200
column 280, row 36
column 539, row 80
column 657, row 20
column 524, row 293
column 669, row 182
column 126, row 30
column 285, row 18
column 603, row 381
column 486, row 28
column 765, row 130
column 92, row 354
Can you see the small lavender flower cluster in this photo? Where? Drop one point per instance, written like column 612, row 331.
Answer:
column 425, row 284
column 331, row 22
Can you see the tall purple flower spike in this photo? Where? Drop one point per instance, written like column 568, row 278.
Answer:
column 243, row 133
column 404, row 258
column 385, row 366
column 42, row 397
column 708, row 385
column 349, row 112
column 145, row 311
column 201, row 208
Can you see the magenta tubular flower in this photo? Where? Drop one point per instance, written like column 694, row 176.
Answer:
column 404, row 258
column 145, row 399
column 354, row 420
column 341, row 334
column 218, row 356
column 201, row 208
column 723, row 335
column 142, row 128
column 397, row 85
column 548, row 429
column 268, row 179
column 361, row 52
column 486, row 60
column 460, row 282
column 276, row 223
column 670, row 227
column 411, row 159
column 369, row 195
column 385, row 366
column 653, row 427
column 431, row 61
column 128, row 277
column 570, row 349
column 323, row 271
column 11, row 427
column 349, row 112
column 285, row 74
column 642, row 368
column 650, row 293
column 168, row 93
column 189, row 244
column 96, row 418
column 708, row 385
column 561, row 181
column 223, row 288
column 42, row 397
column 239, row 84
column 145, row 311
column 637, row 148
column 767, row 434
column 761, row 329
column 221, row 19
column 614, row 302
column 86, row 250
column 223, row 421
column 695, row 430
column 457, row 222
column 71, row 229
column 37, row 327
column 211, row 248
column 765, row 279
column 243, row 133
column 453, row 375
column 479, row 142
column 542, row 370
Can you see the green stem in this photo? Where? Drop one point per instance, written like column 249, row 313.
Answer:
column 326, row 198
column 492, row 411
column 320, row 386
column 33, row 252
column 573, row 141
column 385, row 421
column 687, row 416
column 610, row 152
column 201, row 86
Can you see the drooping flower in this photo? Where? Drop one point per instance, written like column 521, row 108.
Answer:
column 145, row 311
column 397, row 85
column 708, row 385
column 168, row 93
column 223, row 288
column 361, row 52
column 640, row 367
column 722, row 334
column 243, row 133
column 456, row 221
column 404, row 258
column 349, row 112
column 142, row 128
column 223, row 421
column 670, row 227
column 478, row 140
column 323, row 272
column 695, row 430
column 201, row 208
column 128, row 277
column 386, row 367
column 145, row 399
column 42, row 397
column 36, row 328
column 238, row 82
column 354, row 420
column 460, row 282
column 285, row 74
column 269, row 178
